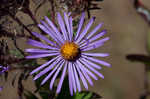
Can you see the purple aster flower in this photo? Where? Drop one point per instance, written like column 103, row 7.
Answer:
column 1, row 88
column 69, row 52
column 3, row 69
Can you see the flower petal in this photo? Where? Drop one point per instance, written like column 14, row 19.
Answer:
column 97, row 61
column 50, row 74
column 67, row 23
column 87, row 73
column 71, row 29
column 96, row 54
column 48, row 68
column 77, row 79
column 54, row 28
column 87, row 27
column 91, row 63
column 50, row 32
column 80, row 25
column 39, row 44
column 62, row 26
column 73, row 78
column 94, row 30
column 41, row 55
column 44, row 38
column 55, row 75
column 91, row 47
column 82, row 77
column 70, row 81
column 61, row 79
column 95, row 44
column 91, row 68
column 32, row 50
column 88, row 41
column 44, row 65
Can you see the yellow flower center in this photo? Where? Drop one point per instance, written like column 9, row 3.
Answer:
column 70, row 51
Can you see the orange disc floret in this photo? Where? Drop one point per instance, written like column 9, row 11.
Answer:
column 70, row 51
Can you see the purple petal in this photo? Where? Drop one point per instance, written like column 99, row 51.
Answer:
column 96, row 44
column 73, row 78
column 71, row 29
column 41, row 55
column 80, row 25
column 44, row 29
column 44, row 65
column 77, row 79
column 32, row 50
column 43, row 38
column 92, row 47
column 98, row 35
column 94, row 38
column 94, row 30
column 50, row 74
column 82, row 77
column 96, row 54
column 67, row 23
column 48, row 68
column 39, row 44
column 70, row 81
column 55, row 75
column 97, row 61
column 91, row 68
column 61, row 79
column 69, row 13
column 85, row 30
column 62, row 26
column 51, row 33
column 90, row 73
column 91, row 64
column 85, row 73
column 54, row 28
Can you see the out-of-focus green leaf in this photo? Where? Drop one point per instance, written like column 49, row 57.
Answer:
column 79, row 95
column 88, row 96
column 74, row 32
column 29, row 95
column 75, row 22
column 83, row 95
column 48, row 14
column 65, row 93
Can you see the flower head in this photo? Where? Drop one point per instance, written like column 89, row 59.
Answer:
column 69, row 52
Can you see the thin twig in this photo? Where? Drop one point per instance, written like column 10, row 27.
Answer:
column 20, row 23
column 15, row 44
